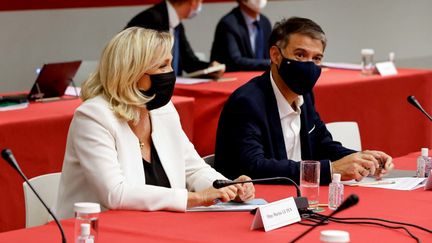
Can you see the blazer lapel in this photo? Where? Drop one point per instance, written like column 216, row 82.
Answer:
column 169, row 158
column 243, row 30
column 273, row 118
column 305, row 130
column 163, row 10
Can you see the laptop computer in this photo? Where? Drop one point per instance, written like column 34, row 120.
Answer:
column 52, row 81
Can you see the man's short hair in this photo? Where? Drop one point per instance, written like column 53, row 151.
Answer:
column 295, row 25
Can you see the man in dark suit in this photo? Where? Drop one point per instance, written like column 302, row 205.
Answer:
column 167, row 16
column 241, row 38
column 270, row 124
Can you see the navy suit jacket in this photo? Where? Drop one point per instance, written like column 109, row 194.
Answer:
column 232, row 44
column 156, row 18
column 250, row 139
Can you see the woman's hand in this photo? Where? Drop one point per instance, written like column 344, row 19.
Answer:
column 211, row 196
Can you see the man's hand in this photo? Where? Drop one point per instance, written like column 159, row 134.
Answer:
column 245, row 191
column 217, row 74
column 361, row 164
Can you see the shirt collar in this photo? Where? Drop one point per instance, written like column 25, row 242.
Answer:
column 173, row 17
column 284, row 107
column 248, row 19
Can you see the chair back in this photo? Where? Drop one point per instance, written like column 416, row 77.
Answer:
column 209, row 159
column 47, row 187
column 347, row 133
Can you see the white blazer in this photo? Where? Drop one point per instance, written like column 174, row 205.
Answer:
column 103, row 162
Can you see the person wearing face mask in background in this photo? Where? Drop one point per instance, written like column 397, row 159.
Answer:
column 125, row 147
column 270, row 124
column 167, row 16
column 241, row 38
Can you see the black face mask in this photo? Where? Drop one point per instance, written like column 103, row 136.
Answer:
column 299, row 76
column 162, row 86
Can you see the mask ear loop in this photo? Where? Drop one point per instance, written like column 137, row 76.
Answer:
column 280, row 51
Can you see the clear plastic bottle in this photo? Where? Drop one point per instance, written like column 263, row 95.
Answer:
column 391, row 57
column 424, row 163
column 85, row 236
column 367, row 63
column 336, row 192
column 86, row 222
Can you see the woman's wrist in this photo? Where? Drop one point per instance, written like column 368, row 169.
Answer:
column 193, row 200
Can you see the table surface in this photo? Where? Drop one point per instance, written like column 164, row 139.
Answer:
column 37, row 137
column 132, row 226
column 378, row 104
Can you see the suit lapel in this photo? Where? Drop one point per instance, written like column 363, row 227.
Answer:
column 273, row 117
column 162, row 9
column 305, row 130
column 243, row 30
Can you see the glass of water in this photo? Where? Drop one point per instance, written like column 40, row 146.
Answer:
column 309, row 181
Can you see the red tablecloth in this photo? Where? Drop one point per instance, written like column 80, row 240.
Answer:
column 37, row 137
column 387, row 122
column 131, row 226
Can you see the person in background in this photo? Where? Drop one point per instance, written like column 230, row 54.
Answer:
column 125, row 147
column 167, row 16
column 241, row 38
column 270, row 124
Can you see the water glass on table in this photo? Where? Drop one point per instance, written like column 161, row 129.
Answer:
column 309, row 181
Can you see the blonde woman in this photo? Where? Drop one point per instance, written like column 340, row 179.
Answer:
column 126, row 148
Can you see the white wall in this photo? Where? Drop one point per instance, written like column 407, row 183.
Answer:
column 30, row 38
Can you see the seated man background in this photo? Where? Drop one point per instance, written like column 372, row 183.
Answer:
column 269, row 124
column 167, row 16
column 241, row 38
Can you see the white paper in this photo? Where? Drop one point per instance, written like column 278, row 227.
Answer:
column 181, row 80
column 72, row 91
column 205, row 71
column 14, row 106
column 342, row 65
column 401, row 183
column 230, row 206
column 386, row 68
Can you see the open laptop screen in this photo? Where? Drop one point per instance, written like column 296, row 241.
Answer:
column 53, row 80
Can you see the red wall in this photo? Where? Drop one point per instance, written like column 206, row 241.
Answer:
column 8, row 5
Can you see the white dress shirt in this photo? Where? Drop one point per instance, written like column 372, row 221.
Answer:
column 253, row 31
column 290, row 121
column 173, row 17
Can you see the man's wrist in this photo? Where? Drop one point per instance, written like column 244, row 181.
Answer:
column 331, row 169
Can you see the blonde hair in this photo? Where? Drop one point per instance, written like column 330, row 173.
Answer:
column 125, row 59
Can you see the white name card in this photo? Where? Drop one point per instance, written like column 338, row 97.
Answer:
column 276, row 214
column 386, row 68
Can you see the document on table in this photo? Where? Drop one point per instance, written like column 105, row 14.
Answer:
column 181, row 80
column 342, row 65
column 206, row 71
column 401, row 183
column 13, row 106
column 73, row 91
column 230, row 206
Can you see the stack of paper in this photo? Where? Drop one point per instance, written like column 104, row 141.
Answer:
column 180, row 80
column 342, row 65
column 230, row 206
column 13, row 106
column 401, row 183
